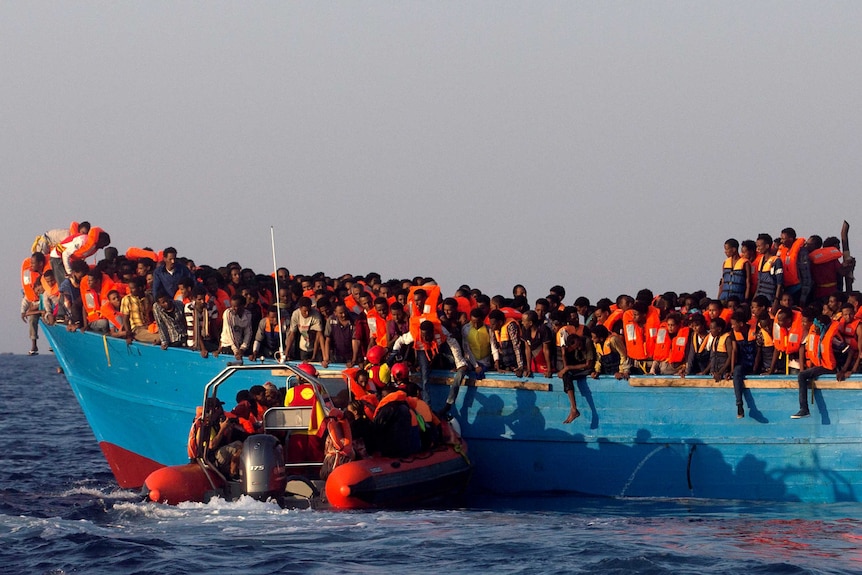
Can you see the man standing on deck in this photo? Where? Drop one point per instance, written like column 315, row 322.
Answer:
column 796, row 265
column 167, row 276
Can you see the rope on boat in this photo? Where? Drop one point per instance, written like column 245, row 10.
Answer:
column 107, row 352
column 459, row 451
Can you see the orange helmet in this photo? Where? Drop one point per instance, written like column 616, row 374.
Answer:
column 400, row 371
column 376, row 354
column 307, row 368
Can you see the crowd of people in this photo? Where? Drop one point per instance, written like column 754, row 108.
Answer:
column 783, row 305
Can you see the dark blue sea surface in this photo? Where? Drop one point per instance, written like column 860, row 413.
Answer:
column 61, row 512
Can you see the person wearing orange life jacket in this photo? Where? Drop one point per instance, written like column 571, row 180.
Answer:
column 427, row 340
column 671, row 347
column 498, row 302
column 796, row 264
column 787, row 339
column 422, row 303
column 31, row 275
column 352, row 299
column 110, row 311
column 398, row 324
column 81, row 246
column 735, row 273
column 46, row 241
column 395, row 433
column 216, row 434
column 640, row 327
column 94, row 290
column 359, row 385
column 57, row 237
column 427, row 422
column 716, row 309
column 826, row 267
column 614, row 322
column 823, row 353
column 50, row 296
column 850, row 328
column 377, row 318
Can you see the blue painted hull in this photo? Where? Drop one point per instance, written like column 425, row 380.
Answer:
column 639, row 439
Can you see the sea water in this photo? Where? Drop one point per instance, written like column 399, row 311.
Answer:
column 61, row 512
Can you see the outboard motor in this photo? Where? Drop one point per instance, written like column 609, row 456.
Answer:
column 263, row 473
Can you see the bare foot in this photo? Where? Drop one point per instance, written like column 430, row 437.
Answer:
column 573, row 415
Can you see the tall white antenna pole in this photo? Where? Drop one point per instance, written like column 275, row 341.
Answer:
column 277, row 306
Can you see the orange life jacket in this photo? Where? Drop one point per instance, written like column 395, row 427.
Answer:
column 377, row 327
column 136, row 254
column 91, row 300
column 789, row 262
column 818, row 350
column 640, row 339
column 340, row 439
column 788, row 340
column 670, row 348
column 616, row 315
column 430, row 309
column 351, row 304
column 29, row 279
column 566, row 331
column 88, row 248
column 511, row 313
column 465, row 305
column 848, row 331
column 221, row 301
column 419, row 344
column 825, row 255
column 113, row 316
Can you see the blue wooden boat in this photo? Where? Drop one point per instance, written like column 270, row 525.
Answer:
column 646, row 437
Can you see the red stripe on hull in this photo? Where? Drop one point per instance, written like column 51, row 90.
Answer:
column 130, row 469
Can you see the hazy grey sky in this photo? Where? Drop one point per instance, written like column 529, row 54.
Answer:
column 604, row 146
